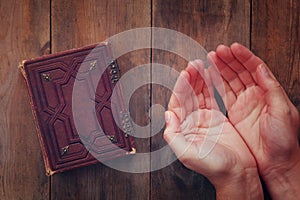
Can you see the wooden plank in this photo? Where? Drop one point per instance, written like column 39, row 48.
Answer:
column 276, row 38
column 210, row 23
column 24, row 34
column 78, row 23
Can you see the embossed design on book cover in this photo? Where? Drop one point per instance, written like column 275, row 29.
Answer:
column 50, row 80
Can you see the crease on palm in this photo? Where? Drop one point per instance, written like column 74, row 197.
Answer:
column 254, row 110
column 203, row 120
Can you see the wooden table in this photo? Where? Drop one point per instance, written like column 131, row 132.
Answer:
column 30, row 28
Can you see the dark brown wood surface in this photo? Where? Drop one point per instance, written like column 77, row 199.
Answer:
column 209, row 23
column 275, row 37
column 75, row 24
column 24, row 34
column 30, row 28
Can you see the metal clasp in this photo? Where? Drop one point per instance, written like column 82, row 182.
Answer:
column 127, row 124
column 46, row 77
column 112, row 138
column 64, row 150
column 93, row 65
column 114, row 71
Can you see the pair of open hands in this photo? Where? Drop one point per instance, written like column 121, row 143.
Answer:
column 259, row 136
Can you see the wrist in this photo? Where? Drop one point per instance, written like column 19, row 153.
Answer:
column 243, row 185
column 283, row 181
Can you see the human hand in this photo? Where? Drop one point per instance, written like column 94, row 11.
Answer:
column 261, row 112
column 195, row 126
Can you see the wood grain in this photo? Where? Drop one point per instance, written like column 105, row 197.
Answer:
column 276, row 39
column 24, row 34
column 209, row 23
column 30, row 28
column 78, row 23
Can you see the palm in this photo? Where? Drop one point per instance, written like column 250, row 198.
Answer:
column 210, row 142
column 249, row 108
column 216, row 142
column 246, row 114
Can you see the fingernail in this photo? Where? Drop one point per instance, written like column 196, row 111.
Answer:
column 167, row 117
column 264, row 70
column 193, row 63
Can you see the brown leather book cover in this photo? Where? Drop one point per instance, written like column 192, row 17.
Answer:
column 51, row 80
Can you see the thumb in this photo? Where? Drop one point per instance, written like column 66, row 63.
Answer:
column 174, row 137
column 172, row 124
column 275, row 96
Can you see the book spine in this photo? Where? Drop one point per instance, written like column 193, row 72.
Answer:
column 48, row 169
column 125, row 115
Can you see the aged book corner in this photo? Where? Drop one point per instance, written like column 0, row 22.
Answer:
column 133, row 151
column 46, row 105
column 49, row 172
column 22, row 68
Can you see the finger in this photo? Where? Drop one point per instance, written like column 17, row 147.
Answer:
column 222, row 86
column 193, row 72
column 179, row 101
column 201, row 101
column 208, row 92
column 227, row 73
column 198, row 66
column 175, row 138
column 202, row 86
column 172, row 122
column 196, row 70
column 276, row 98
column 224, row 90
column 247, row 58
column 228, row 58
column 182, row 84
